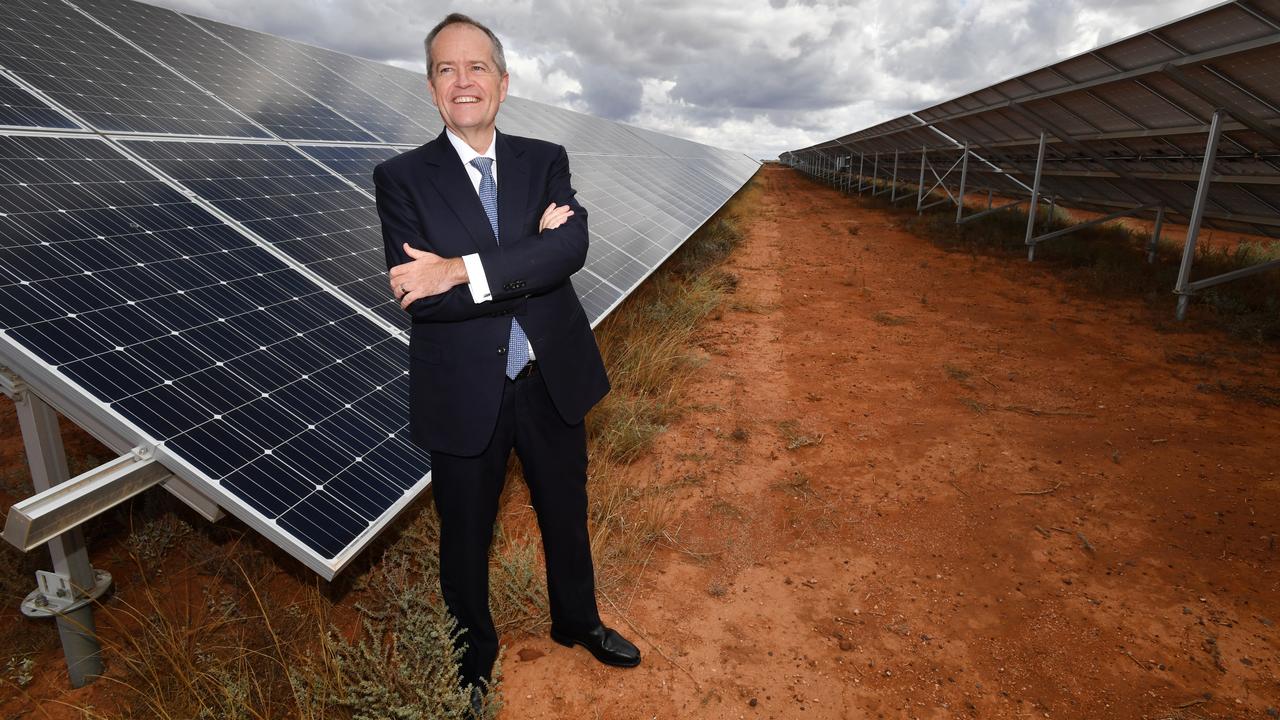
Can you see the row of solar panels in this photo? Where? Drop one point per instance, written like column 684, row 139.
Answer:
column 1126, row 124
column 191, row 260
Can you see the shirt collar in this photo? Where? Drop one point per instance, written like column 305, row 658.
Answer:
column 465, row 152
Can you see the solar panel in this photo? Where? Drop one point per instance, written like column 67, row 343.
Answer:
column 284, row 401
column 22, row 109
column 293, row 203
column 194, row 261
column 249, row 87
column 94, row 73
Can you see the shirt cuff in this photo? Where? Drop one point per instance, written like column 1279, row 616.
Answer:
column 476, row 279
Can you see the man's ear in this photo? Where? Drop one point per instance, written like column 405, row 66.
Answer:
column 502, row 87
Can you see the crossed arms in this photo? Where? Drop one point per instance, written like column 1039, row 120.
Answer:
column 434, row 288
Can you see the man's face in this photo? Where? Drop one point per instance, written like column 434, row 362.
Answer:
column 465, row 84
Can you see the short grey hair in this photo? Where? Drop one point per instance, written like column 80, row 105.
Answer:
column 499, row 58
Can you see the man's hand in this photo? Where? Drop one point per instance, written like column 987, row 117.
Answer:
column 426, row 275
column 553, row 217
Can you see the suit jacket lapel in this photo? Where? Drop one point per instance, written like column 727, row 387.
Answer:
column 513, row 187
column 454, row 185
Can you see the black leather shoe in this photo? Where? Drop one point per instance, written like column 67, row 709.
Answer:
column 604, row 643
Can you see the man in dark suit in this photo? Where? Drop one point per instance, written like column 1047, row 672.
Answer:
column 501, row 353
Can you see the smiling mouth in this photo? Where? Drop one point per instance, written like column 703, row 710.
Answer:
column 465, row 100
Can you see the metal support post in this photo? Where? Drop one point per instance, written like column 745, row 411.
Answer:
column 1034, row 207
column 1197, row 215
column 1048, row 221
column 875, row 173
column 920, row 189
column 861, row 158
column 67, row 593
column 1155, row 236
column 893, row 193
column 988, row 198
column 964, row 175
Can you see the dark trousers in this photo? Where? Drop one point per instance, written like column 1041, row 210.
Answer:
column 554, row 457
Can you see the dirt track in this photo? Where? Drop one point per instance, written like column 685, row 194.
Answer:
column 920, row 484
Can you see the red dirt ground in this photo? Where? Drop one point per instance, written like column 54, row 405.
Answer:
column 1017, row 501
column 918, row 484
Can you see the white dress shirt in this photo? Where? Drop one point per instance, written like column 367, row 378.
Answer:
column 478, row 282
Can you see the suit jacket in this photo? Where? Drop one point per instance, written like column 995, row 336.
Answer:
column 458, row 348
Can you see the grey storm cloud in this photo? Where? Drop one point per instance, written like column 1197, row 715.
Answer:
column 759, row 76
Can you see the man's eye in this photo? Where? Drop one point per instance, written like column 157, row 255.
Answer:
column 479, row 68
column 444, row 70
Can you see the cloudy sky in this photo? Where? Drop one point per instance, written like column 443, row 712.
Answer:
column 759, row 76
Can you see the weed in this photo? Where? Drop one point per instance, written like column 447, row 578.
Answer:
column 1199, row 359
column 796, row 486
column 885, row 318
column 960, row 375
column 797, row 438
column 727, row 509
column 975, row 406
column 1265, row 395
column 19, row 671
column 752, row 307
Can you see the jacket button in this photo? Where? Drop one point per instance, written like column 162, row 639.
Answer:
column 502, row 351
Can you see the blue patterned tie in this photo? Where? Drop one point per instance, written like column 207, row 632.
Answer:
column 517, row 344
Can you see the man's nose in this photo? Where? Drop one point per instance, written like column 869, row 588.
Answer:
column 464, row 78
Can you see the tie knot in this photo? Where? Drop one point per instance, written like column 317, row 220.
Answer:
column 483, row 164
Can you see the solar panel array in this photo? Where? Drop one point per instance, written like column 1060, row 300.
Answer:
column 190, row 256
column 1126, row 124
